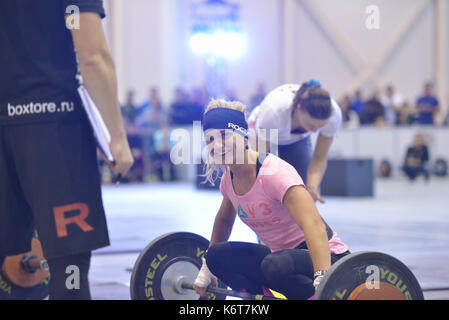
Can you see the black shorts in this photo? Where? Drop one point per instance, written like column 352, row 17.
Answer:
column 49, row 181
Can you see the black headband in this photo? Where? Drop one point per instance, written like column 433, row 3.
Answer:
column 224, row 118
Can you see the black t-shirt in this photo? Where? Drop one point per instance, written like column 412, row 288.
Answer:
column 38, row 67
column 420, row 153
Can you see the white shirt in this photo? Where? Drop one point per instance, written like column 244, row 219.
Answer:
column 275, row 112
column 390, row 103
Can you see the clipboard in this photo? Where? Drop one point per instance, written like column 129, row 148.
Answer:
column 101, row 132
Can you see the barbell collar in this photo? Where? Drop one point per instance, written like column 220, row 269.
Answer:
column 31, row 263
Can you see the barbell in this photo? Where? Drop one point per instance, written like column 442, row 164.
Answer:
column 168, row 266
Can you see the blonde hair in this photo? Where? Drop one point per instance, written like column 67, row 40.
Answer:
column 221, row 103
column 210, row 166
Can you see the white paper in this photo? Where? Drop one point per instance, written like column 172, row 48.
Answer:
column 100, row 130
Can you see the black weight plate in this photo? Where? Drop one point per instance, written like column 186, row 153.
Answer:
column 351, row 271
column 158, row 256
column 10, row 291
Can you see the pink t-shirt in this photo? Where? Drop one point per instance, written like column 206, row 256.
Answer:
column 262, row 209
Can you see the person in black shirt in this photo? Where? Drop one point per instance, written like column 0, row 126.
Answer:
column 49, row 179
column 374, row 110
column 416, row 159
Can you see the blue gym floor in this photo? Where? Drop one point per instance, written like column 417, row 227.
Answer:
column 407, row 220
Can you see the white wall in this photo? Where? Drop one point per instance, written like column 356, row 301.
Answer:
column 408, row 66
column 262, row 26
column 142, row 40
column 154, row 45
column 140, row 34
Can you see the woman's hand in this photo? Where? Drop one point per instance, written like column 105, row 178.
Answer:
column 203, row 280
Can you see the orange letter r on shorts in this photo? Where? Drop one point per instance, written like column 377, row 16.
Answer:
column 62, row 221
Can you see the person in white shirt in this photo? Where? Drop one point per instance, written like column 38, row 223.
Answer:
column 392, row 102
column 296, row 111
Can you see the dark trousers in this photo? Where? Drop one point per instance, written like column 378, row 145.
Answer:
column 69, row 277
column 298, row 154
column 413, row 172
column 252, row 266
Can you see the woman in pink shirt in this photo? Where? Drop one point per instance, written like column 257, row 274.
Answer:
column 269, row 196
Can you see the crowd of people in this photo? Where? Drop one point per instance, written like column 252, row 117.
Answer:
column 148, row 125
column 150, row 122
column 387, row 107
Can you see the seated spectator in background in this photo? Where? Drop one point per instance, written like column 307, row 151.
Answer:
column 197, row 104
column 179, row 108
column 135, row 142
column 153, row 100
column 153, row 113
column 406, row 115
column 392, row 102
column 162, row 147
column 200, row 96
column 427, row 106
column 187, row 107
column 256, row 98
column 374, row 111
column 416, row 159
column 350, row 117
column 380, row 122
column 130, row 109
column 358, row 104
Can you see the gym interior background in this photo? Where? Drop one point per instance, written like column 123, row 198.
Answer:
column 355, row 48
column 162, row 70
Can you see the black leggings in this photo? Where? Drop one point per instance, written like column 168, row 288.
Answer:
column 252, row 266
column 60, row 280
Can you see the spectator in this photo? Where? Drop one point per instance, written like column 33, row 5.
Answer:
column 162, row 147
column 427, row 106
column 130, row 109
column 373, row 111
column 358, row 104
column 153, row 100
column 406, row 115
column 152, row 112
column 197, row 103
column 200, row 96
column 380, row 122
column 136, row 144
column 416, row 159
column 392, row 102
column 179, row 109
column 257, row 97
column 350, row 117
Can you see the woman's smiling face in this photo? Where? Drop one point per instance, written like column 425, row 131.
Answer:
column 223, row 145
column 219, row 143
